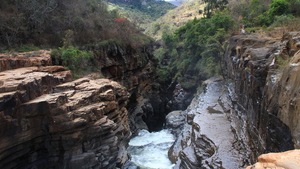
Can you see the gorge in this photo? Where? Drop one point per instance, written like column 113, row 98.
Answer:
column 96, row 92
column 48, row 121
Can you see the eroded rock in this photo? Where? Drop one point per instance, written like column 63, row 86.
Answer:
column 47, row 122
column 26, row 59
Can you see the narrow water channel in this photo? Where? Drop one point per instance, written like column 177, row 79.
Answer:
column 150, row 150
column 207, row 136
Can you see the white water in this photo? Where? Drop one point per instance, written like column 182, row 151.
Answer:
column 150, row 150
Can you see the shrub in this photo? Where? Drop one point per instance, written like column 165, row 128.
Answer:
column 27, row 48
column 284, row 20
column 279, row 7
column 72, row 58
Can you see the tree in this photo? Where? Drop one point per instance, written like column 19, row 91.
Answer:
column 213, row 5
column 279, row 7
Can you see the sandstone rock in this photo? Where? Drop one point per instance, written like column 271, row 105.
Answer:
column 27, row 59
column 47, row 123
column 284, row 160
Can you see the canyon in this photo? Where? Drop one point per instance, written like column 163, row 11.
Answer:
column 49, row 120
column 258, row 101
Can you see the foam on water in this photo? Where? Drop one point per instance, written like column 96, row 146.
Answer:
column 145, row 137
column 150, row 150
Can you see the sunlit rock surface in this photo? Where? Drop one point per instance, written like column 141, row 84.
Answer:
column 26, row 59
column 284, row 160
column 48, row 122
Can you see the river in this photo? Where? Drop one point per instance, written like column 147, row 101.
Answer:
column 150, row 150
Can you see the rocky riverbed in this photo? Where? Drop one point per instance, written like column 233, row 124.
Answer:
column 206, row 139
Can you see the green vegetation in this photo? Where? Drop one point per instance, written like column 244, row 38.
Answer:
column 194, row 51
column 198, row 51
column 72, row 58
column 259, row 13
column 76, row 60
column 213, row 5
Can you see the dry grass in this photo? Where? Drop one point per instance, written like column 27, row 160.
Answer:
column 277, row 33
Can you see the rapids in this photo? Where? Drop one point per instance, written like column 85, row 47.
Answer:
column 150, row 150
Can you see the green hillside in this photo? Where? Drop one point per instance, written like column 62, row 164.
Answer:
column 141, row 12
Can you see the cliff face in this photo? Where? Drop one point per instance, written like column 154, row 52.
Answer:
column 254, row 112
column 267, row 91
column 48, row 122
column 135, row 69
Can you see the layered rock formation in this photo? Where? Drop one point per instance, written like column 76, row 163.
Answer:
column 27, row 59
column 266, row 84
column 260, row 99
column 134, row 68
column 48, row 122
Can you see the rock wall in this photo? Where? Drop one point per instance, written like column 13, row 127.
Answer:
column 260, row 99
column 134, row 68
column 48, row 122
column 265, row 92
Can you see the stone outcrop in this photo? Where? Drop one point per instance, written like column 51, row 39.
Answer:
column 265, row 92
column 284, row 160
column 46, row 121
column 27, row 59
column 180, row 99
